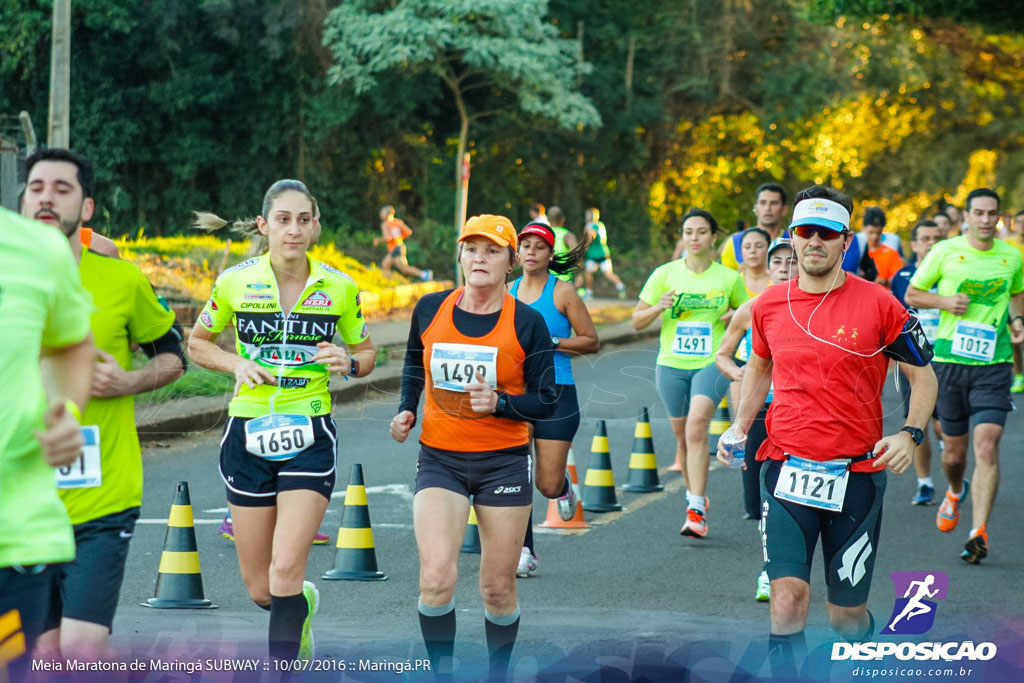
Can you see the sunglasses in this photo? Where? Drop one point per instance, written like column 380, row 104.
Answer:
column 825, row 234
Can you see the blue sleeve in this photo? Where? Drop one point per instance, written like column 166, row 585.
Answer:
column 899, row 285
column 851, row 261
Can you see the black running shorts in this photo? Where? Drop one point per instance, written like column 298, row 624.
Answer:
column 498, row 479
column 967, row 390
column 90, row 585
column 561, row 426
column 849, row 539
column 253, row 481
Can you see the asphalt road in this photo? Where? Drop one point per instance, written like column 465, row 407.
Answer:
column 628, row 595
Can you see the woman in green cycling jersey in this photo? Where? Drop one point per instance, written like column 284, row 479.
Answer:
column 278, row 454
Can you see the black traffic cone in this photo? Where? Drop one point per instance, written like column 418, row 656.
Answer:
column 471, row 541
column 719, row 423
column 355, row 558
column 599, row 484
column 179, row 583
column 643, row 466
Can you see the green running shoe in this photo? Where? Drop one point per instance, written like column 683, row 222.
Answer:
column 307, row 646
column 1018, row 384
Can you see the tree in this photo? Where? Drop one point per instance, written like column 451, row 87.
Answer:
column 483, row 51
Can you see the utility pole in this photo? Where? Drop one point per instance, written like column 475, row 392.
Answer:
column 463, row 206
column 59, row 125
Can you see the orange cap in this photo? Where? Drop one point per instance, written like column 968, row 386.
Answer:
column 498, row 229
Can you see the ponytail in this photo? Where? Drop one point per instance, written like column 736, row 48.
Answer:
column 245, row 228
column 569, row 262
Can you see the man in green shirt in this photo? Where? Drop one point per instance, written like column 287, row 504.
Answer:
column 45, row 311
column 981, row 297
column 102, row 491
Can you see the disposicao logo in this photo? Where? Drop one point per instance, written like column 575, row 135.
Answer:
column 912, row 614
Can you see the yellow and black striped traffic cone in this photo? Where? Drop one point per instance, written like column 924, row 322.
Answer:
column 643, row 466
column 179, row 583
column 719, row 423
column 471, row 541
column 599, row 485
column 355, row 558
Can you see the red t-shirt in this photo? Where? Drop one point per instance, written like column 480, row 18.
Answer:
column 827, row 403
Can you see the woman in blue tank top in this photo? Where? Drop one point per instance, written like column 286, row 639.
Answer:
column 565, row 313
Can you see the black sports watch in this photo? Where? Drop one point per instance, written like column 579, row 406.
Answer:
column 501, row 404
column 916, row 434
column 555, row 341
column 353, row 369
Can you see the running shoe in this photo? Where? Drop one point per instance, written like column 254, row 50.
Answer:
column 567, row 503
column 1018, row 385
column 696, row 524
column 527, row 564
column 621, row 291
column 307, row 646
column 976, row 548
column 949, row 511
column 924, row 495
column 227, row 530
column 764, row 588
column 427, row 275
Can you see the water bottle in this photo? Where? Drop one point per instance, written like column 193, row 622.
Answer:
column 735, row 446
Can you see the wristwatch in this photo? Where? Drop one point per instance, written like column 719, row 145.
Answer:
column 501, row 404
column 555, row 341
column 916, row 434
column 353, row 369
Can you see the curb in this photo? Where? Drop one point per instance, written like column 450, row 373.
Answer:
column 207, row 413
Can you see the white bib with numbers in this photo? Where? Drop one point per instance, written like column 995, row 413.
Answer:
column 278, row 437
column 692, row 339
column 455, row 366
column 814, row 484
column 974, row 341
column 85, row 472
column 929, row 318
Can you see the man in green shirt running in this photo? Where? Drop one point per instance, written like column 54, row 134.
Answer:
column 45, row 312
column 981, row 297
column 102, row 490
column 598, row 256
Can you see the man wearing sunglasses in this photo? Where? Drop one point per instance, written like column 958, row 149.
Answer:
column 981, row 297
column 826, row 338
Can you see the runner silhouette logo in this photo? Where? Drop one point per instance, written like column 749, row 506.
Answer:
column 914, row 612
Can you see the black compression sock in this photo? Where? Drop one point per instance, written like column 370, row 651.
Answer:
column 528, row 541
column 287, row 615
column 437, row 624
column 501, row 638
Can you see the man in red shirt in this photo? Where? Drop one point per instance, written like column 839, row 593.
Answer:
column 825, row 338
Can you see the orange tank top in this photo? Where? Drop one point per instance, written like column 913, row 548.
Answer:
column 85, row 234
column 450, row 361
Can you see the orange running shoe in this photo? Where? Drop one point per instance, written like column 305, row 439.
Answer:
column 949, row 511
column 696, row 524
column 976, row 548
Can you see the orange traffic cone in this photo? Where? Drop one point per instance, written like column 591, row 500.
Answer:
column 471, row 542
column 355, row 558
column 643, row 466
column 179, row 583
column 599, row 485
column 553, row 519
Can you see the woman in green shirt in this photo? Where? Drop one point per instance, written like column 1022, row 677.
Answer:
column 690, row 296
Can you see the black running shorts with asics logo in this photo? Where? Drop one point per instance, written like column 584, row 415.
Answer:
column 498, row 479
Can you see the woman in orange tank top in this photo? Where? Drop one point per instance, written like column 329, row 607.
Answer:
column 485, row 360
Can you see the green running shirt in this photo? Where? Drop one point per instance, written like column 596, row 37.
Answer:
column 691, row 331
column 247, row 295
column 42, row 304
column 126, row 311
column 989, row 278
